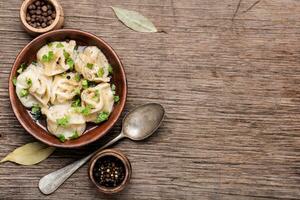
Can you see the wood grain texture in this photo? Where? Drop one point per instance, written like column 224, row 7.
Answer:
column 227, row 73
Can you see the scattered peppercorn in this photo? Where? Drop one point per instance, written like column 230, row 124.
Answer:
column 40, row 14
column 109, row 171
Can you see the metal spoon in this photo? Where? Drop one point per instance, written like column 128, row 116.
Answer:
column 138, row 124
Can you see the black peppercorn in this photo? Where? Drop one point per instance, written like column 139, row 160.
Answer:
column 42, row 12
column 109, row 171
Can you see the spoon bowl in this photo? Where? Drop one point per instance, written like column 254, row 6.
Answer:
column 141, row 122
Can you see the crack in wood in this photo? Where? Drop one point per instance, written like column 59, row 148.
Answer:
column 236, row 10
column 252, row 6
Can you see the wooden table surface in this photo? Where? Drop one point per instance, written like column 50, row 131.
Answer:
column 227, row 73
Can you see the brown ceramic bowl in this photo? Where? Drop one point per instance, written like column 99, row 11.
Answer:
column 119, row 156
column 28, row 54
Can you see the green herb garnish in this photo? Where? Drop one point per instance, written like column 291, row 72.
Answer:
column 100, row 72
column 110, row 69
column 85, row 84
column 77, row 77
column 63, row 121
column 76, row 102
column 86, row 110
column 61, row 138
column 24, row 93
column 96, row 96
column 74, row 136
column 90, row 65
column 113, row 87
column 22, row 68
column 29, row 82
column 77, row 91
column 66, row 55
column 60, row 45
column 103, row 116
column 14, row 80
column 48, row 57
column 116, row 98
column 50, row 44
column 34, row 63
column 36, row 111
column 70, row 62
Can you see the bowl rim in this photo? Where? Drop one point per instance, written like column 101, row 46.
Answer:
column 15, row 101
column 124, row 159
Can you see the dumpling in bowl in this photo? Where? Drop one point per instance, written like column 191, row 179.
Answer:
column 98, row 99
column 57, row 57
column 93, row 65
column 63, row 122
column 33, row 87
column 64, row 88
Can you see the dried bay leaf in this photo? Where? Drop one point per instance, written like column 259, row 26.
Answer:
column 29, row 154
column 134, row 20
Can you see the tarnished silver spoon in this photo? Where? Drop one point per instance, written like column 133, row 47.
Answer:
column 138, row 124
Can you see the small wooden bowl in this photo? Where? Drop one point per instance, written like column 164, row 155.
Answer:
column 119, row 155
column 57, row 24
column 28, row 54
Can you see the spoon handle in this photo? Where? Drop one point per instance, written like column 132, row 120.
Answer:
column 49, row 183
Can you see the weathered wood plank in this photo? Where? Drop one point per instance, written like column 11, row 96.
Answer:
column 227, row 73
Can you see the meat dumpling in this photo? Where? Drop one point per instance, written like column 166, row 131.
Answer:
column 93, row 65
column 57, row 57
column 63, row 122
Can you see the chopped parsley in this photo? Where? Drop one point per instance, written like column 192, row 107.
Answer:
column 113, row 88
column 86, row 110
column 14, row 80
column 34, row 63
column 70, row 62
column 24, row 93
column 50, row 44
column 85, row 84
column 29, row 82
column 116, row 98
column 49, row 57
column 77, row 77
column 103, row 116
column 100, row 72
column 74, row 136
column 66, row 55
column 90, row 65
column 22, row 68
column 61, row 138
column 77, row 91
column 76, row 102
column 83, row 110
column 36, row 111
column 110, row 69
column 60, row 45
column 96, row 96
column 63, row 121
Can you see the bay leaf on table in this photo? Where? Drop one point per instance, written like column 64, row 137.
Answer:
column 134, row 20
column 29, row 154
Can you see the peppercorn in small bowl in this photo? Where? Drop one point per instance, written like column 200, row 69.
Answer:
column 110, row 171
column 41, row 16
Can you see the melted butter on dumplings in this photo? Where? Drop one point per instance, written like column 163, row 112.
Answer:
column 54, row 57
column 92, row 64
column 99, row 98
